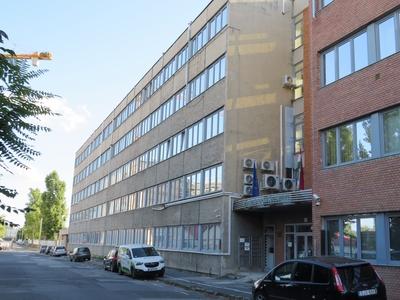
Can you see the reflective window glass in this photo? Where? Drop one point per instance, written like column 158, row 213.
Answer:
column 344, row 52
column 330, row 70
column 387, row 38
column 364, row 142
column 346, row 143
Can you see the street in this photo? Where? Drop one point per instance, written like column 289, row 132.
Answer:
column 29, row 275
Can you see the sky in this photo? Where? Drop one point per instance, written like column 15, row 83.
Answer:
column 101, row 49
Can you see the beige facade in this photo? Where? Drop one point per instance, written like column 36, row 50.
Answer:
column 175, row 179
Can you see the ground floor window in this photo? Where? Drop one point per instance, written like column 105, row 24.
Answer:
column 373, row 237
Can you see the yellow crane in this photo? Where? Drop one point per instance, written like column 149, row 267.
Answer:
column 35, row 56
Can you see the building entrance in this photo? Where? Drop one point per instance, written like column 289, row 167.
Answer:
column 298, row 241
column 269, row 234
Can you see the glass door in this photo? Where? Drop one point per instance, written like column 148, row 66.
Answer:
column 303, row 245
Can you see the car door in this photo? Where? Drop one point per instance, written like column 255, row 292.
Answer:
column 123, row 258
column 281, row 285
column 323, row 288
column 301, row 280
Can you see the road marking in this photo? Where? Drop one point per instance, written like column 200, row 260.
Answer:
column 209, row 285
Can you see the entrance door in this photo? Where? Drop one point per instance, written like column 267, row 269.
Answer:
column 303, row 245
column 269, row 234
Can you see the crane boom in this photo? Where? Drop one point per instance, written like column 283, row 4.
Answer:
column 34, row 55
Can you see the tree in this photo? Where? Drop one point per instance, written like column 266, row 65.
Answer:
column 2, row 227
column 53, row 207
column 33, row 218
column 19, row 106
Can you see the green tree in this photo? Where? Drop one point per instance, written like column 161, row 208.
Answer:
column 53, row 206
column 33, row 218
column 2, row 227
column 20, row 110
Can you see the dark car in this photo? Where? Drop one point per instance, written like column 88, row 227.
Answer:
column 110, row 260
column 48, row 250
column 321, row 278
column 43, row 249
column 80, row 254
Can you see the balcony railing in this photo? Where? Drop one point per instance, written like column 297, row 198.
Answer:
column 267, row 201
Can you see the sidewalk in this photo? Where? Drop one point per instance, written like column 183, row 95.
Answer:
column 236, row 286
column 231, row 286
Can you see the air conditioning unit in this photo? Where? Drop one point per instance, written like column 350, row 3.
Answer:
column 247, row 190
column 270, row 182
column 248, row 163
column 268, row 165
column 288, row 82
column 248, row 179
column 288, row 184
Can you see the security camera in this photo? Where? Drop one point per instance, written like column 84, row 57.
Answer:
column 317, row 199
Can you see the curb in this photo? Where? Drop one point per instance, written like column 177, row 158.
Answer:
column 196, row 288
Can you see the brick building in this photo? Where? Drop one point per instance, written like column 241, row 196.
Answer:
column 353, row 131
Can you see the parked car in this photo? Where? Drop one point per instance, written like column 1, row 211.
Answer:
column 59, row 251
column 139, row 259
column 4, row 244
column 110, row 260
column 43, row 249
column 321, row 278
column 80, row 254
column 48, row 250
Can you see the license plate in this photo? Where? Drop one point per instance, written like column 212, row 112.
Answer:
column 152, row 269
column 367, row 292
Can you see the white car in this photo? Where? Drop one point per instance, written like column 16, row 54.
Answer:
column 59, row 251
column 4, row 244
column 140, row 259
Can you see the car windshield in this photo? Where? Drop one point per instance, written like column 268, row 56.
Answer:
column 353, row 276
column 84, row 250
column 142, row 252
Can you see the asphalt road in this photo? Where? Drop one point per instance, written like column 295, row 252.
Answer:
column 27, row 275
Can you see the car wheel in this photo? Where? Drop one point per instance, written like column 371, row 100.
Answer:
column 259, row 296
column 114, row 267
column 105, row 267
column 161, row 273
column 133, row 273
column 119, row 270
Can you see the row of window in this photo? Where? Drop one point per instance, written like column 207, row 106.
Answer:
column 203, row 237
column 373, row 237
column 93, row 166
column 96, row 143
column 214, row 26
column 371, row 137
column 198, row 183
column 208, row 77
column 205, row 34
column 213, row 125
column 378, row 41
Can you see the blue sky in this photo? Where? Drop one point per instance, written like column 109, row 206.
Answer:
column 100, row 50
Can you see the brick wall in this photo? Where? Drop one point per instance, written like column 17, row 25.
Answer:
column 369, row 186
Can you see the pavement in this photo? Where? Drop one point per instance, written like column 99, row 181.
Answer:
column 232, row 286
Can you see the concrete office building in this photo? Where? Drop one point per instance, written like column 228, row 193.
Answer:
column 166, row 166
column 355, row 132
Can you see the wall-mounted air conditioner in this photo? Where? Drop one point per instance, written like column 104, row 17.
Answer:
column 248, row 163
column 248, row 179
column 288, row 82
column 247, row 190
column 268, row 165
column 288, row 184
column 270, row 182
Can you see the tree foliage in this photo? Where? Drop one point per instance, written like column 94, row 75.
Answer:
column 20, row 110
column 53, row 206
column 32, row 218
column 2, row 227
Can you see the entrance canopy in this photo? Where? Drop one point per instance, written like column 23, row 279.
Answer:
column 272, row 200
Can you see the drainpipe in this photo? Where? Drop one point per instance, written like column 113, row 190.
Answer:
column 281, row 154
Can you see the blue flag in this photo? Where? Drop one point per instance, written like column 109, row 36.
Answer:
column 255, row 191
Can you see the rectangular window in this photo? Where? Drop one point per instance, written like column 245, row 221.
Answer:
column 364, row 142
column 333, row 237
column 346, row 143
column 329, row 67
column 368, row 238
column 387, row 38
column 330, row 147
column 325, row 2
column 344, row 56
column 298, row 31
column 360, row 51
column 394, row 237
column 391, row 131
column 350, row 237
